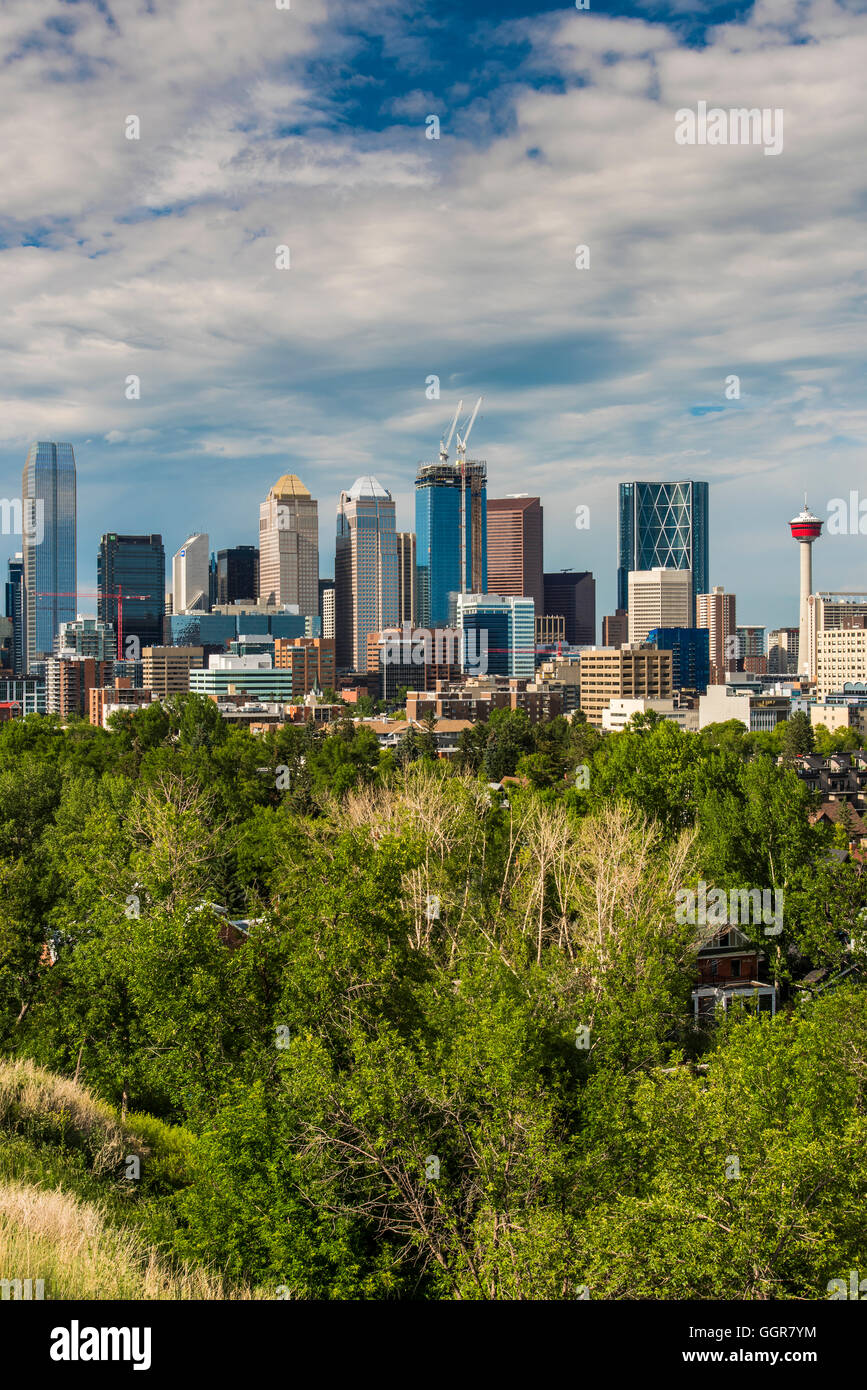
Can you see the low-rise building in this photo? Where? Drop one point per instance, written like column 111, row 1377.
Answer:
column 620, row 712
column 166, row 670
column 104, row 701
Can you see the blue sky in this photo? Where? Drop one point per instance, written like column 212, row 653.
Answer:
column 455, row 257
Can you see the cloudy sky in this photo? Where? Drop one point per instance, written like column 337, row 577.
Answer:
column 412, row 257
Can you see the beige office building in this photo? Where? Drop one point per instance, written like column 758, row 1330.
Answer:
column 406, row 577
column 633, row 672
column 841, row 656
column 716, row 612
column 659, row 598
column 166, row 670
column 289, row 546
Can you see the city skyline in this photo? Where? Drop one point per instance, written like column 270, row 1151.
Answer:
column 246, row 371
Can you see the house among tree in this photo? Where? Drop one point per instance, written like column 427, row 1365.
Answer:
column 729, row 966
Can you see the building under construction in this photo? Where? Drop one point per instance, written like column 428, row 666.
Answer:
column 451, row 534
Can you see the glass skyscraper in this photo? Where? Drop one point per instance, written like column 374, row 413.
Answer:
column 365, row 570
column 663, row 525
column 50, row 575
column 137, row 564
column 15, row 611
column 438, row 537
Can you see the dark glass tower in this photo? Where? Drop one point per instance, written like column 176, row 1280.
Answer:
column 138, row 565
column 48, row 524
column 663, row 525
column 237, row 574
column 438, row 537
column 15, row 612
column 571, row 594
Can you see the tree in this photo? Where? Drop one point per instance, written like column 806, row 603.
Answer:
column 798, row 736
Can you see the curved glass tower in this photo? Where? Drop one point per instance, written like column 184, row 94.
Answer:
column 48, row 523
column 663, row 526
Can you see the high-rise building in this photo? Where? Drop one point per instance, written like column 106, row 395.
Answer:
column 663, row 526
column 615, row 628
column 48, row 498
column 690, row 655
column 413, row 658
column 310, row 659
column 571, row 594
column 70, row 678
column 450, row 528
column 88, row 637
column 751, row 649
column 841, row 660
column 137, row 566
column 365, row 570
column 237, row 574
column 498, row 634
column 630, row 672
column 289, row 546
column 783, row 651
column 15, row 612
column 326, row 607
column 716, row 612
column 406, row 563
column 515, row 545
column 659, row 598
column 191, row 575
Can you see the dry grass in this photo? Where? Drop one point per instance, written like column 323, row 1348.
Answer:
column 55, row 1237
column 38, row 1102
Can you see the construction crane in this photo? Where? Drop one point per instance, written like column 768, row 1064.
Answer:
column 462, row 458
column 95, row 593
column 447, row 444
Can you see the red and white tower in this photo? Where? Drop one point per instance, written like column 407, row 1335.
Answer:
column 806, row 528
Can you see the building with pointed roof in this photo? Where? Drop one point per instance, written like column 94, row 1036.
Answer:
column 289, row 546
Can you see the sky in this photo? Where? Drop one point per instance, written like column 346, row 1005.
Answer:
column 455, row 258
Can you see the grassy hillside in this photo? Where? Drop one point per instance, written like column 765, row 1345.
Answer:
column 68, row 1213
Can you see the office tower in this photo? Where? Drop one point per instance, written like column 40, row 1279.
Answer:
column 690, row 655
column 326, row 607
column 716, row 612
column 15, row 612
column 212, row 582
column 615, row 629
column 406, row 563
column 365, row 570
column 632, row 672
column 751, row 650
column 166, row 670
column 515, row 548
column 413, row 658
column 443, row 498
column 88, row 637
column 137, row 566
column 826, row 611
column 311, row 661
column 783, row 651
column 49, row 530
column 663, row 526
column 571, row 594
column 191, row 575
column 841, row 660
column 659, row 598
column 498, row 634
column 237, row 574
column 289, row 546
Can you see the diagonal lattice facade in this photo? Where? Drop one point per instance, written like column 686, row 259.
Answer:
column 662, row 525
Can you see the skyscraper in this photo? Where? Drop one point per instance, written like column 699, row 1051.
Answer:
column 406, row 586
column 572, row 595
column 49, row 530
column 289, row 546
column 659, row 598
column 326, row 607
column 237, row 574
column 515, row 548
column 365, row 569
column 716, row 612
column 15, row 611
column 439, row 544
column 497, row 635
column 191, row 575
column 136, row 565
column 663, row 526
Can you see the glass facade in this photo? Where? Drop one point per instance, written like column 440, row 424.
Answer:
column 237, row 574
column 15, row 611
column 218, row 629
column 662, row 525
column 138, row 565
column 438, row 538
column 690, row 655
column 49, row 525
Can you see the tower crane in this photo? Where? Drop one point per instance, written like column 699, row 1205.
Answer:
column 95, row 593
column 462, row 458
column 447, row 444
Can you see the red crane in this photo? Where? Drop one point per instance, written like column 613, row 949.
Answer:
column 93, row 593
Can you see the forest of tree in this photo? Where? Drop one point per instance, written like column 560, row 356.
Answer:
column 379, row 1093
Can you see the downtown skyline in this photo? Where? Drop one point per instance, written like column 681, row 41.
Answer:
column 156, row 259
